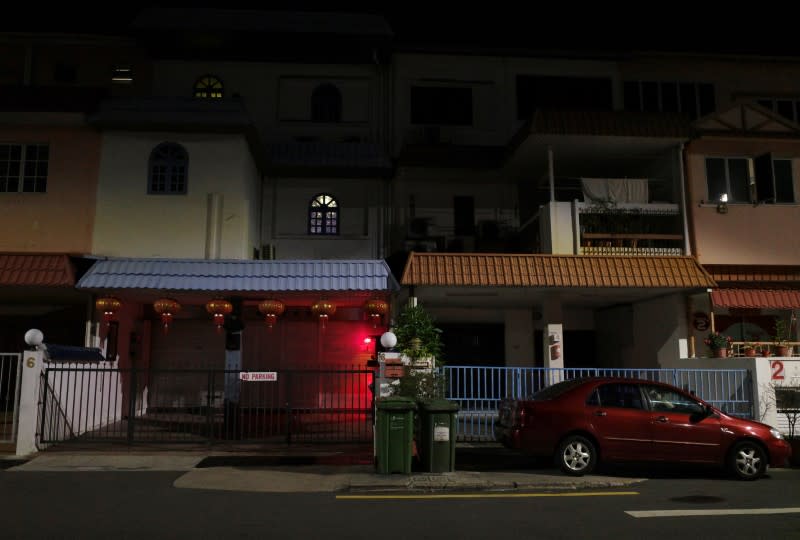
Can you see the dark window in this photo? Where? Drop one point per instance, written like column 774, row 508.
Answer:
column 464, row 216
column 574, row 93
column 728, row 176
column 784, row 185
column 323, row 215
column 65, row 73
column 169, row 167
column 326, row 104
column 692, row 99
column 24, row 168
column 208, row 87
column 441, row 105
column 626, row 396
column 788, row 108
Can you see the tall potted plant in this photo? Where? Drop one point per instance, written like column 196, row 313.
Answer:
column 782, row 337
column 419, row 340
column 719, row 344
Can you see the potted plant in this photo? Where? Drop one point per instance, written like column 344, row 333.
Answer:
column 749, row 349
column 781, row 337
column 719, row 344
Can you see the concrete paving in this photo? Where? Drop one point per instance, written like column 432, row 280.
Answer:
column 283, row 471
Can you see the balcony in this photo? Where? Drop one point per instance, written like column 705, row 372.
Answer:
column 629, row 229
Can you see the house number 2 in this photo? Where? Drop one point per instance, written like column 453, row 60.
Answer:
column 777, row 370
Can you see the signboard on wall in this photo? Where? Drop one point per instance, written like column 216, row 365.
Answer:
column 700, row 321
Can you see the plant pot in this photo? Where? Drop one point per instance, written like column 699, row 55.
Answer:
column 750, row 352
column 783, row 350
column 766, row 352
column 720, row 353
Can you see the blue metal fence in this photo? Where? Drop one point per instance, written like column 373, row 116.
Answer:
column 478, row 389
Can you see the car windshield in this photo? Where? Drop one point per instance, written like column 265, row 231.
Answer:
column 557, row 389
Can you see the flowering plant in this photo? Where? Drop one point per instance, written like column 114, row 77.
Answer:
column 715, row 340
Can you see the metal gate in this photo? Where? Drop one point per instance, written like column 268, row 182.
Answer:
column 10, row 377
column 90, row 404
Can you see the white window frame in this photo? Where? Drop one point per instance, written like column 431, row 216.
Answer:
column 25, row 162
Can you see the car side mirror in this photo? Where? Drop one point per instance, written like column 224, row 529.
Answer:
column 700, row 415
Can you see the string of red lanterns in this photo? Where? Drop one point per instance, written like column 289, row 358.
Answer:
column 166, row 307
column 376, row 309
column 109, row 306
column 219, row 308
column 271, row 309
column 323, row 309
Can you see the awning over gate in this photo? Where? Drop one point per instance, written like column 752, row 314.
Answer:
column 756, row 298
column 537, row 270
column 239, row 275
column 36, row 270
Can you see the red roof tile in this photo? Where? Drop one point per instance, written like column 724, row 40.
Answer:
column 756, row 298
column 538, row 270
column 753, row 273
column 30, row 269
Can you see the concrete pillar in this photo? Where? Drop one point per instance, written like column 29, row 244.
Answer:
column 32, row 367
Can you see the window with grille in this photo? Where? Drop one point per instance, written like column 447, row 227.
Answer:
column 23, row 168
column 326, row 104
column 169, row 165
column 692, row 99
column 208, row 87
column 323, row 215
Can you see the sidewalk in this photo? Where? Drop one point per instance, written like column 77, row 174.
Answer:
column 285, row 470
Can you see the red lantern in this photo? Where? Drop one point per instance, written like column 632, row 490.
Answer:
column 376, row 308
column 166, row 307
column 219, row 308
column 109, row 306
column 323, row 309
column 271, row 309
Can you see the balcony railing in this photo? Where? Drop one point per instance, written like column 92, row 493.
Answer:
column 629, row 229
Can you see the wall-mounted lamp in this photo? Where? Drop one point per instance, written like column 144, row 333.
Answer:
column 722, row 205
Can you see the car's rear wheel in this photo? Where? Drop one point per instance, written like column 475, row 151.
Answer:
column 577, row 455
column 748, row 460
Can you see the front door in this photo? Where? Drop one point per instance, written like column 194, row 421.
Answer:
column 620, row 421
column 681, row 431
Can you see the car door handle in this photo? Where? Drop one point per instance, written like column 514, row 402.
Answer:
column 662, row 419
column 600, row 413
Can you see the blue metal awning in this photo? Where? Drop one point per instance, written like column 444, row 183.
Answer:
column 232, row 276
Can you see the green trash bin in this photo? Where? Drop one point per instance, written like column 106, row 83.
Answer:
column 438, row 435
column 394, row 434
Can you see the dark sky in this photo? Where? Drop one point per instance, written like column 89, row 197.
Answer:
column 505, row 25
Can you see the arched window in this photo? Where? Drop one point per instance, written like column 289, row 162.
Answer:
column 169, row 167
column 208, row 87
column 323, row 215
column 326, row 104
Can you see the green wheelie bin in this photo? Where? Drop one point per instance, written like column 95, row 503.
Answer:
column 438, row 435
column 394, row 434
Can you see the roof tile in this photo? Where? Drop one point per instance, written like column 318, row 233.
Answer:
column 36, row 269
column 539, row 270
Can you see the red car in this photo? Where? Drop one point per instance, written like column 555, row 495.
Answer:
column 583, row 421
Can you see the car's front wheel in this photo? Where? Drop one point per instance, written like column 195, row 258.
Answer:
column 577, row 455
column 748, row 460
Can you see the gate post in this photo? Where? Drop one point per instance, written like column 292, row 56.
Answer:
column 32, row 368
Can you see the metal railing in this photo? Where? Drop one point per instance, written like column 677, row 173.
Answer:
column 87, row 403
column 10, row 377
column 479, row 390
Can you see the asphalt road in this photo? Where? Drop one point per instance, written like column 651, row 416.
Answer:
column 110, row 505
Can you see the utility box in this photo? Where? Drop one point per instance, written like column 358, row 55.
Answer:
column 394, row 434
column 438, row 435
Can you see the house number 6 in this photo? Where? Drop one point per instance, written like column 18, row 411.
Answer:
column 30, row 362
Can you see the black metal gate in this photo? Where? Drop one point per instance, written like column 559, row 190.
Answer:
column 10, row 376
column 90, row 404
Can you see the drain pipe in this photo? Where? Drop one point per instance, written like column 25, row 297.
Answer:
column 688, row 232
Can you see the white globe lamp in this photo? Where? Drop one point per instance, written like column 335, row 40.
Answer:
column 388, row 340
column 34, row 338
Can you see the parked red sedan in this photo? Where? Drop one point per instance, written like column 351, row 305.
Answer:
column 583, row 421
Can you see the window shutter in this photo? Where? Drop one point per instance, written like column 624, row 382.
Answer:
column 765, row 179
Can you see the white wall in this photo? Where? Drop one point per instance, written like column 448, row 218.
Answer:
column 131, row 223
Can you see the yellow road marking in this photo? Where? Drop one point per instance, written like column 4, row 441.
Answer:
column 488, row 495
